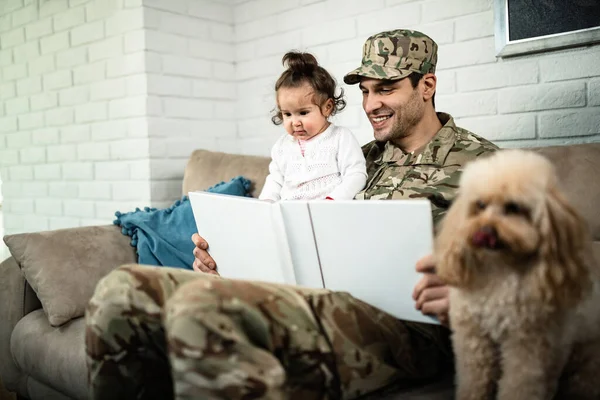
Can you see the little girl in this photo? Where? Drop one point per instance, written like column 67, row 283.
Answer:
column 316, row 159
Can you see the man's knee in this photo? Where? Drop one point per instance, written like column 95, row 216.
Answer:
column 190, row 305
column 113, row 288
column 239, row 312
column 209, row 307
column 117, row 276
column 110, row 302
column 210, row 323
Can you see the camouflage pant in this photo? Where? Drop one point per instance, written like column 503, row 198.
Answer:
column 154, row 331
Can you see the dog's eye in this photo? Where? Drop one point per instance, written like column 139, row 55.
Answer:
column 512, row 208
column 480, row 204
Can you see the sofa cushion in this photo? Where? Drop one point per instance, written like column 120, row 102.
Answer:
column 206, row 168
column 52, row 356
column 64, row 266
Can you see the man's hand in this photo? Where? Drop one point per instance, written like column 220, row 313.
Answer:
column 202, row 261
column 430, row 293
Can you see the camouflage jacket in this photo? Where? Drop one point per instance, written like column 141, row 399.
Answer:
column 432, row 172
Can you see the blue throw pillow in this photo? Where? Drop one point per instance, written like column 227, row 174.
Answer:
column 238, row 186
column 163, row 236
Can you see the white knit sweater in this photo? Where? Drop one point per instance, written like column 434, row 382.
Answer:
column 333, row 166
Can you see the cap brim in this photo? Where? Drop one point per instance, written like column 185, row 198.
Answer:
column 375, row 72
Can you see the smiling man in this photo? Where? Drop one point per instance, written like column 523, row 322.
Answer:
column 416, row 152
column 164, row 333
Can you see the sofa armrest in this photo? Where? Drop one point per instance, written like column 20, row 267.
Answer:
column 17, row 299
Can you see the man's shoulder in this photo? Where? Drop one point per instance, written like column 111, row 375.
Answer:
column 469, row 145
column 373, row 149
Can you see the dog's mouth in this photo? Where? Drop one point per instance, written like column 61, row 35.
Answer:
column 487, row 237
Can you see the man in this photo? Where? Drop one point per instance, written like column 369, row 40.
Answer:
column 225, row 339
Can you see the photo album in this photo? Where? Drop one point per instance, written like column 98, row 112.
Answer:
column 366, row 248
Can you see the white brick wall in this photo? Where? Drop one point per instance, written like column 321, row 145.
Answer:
column 191, row 60
column 549, row 98
column 103, row 100
column 59, row 63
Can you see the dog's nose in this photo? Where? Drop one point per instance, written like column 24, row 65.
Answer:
column 486, row 236
column 488, row 230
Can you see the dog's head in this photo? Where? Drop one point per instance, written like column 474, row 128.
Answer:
column 509, row 215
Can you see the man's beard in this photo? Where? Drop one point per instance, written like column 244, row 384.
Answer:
column 404, row 120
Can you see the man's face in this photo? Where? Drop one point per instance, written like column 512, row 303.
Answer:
column 394, row 108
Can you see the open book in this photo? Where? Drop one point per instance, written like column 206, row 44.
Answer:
column 366, row 248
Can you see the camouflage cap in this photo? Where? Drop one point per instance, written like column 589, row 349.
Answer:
column 395, row 55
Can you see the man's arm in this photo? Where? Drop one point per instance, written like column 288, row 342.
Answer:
column 431, row 294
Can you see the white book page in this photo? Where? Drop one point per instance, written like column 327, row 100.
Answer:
column 301, row 242
column 370, row 248
column 244, row 237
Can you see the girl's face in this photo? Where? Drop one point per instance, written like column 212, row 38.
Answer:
column 301, row 117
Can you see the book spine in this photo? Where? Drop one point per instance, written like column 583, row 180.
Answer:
column 283, row 246
column 312, row 226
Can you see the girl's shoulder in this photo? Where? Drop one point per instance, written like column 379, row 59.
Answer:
column 339, row 128
column 284, row 140
column 344, row 135
column 339, row 131
column 282, row 145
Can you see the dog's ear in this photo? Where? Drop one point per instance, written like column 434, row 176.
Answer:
column 450, row 247
column 563, row 276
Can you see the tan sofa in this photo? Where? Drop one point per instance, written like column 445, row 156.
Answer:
column 40, row 361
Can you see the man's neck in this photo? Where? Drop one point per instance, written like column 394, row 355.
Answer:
column 422, row 133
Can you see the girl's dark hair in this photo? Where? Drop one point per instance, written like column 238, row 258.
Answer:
column 303, row 68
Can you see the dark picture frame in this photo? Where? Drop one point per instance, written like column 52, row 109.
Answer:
column 533, row 26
